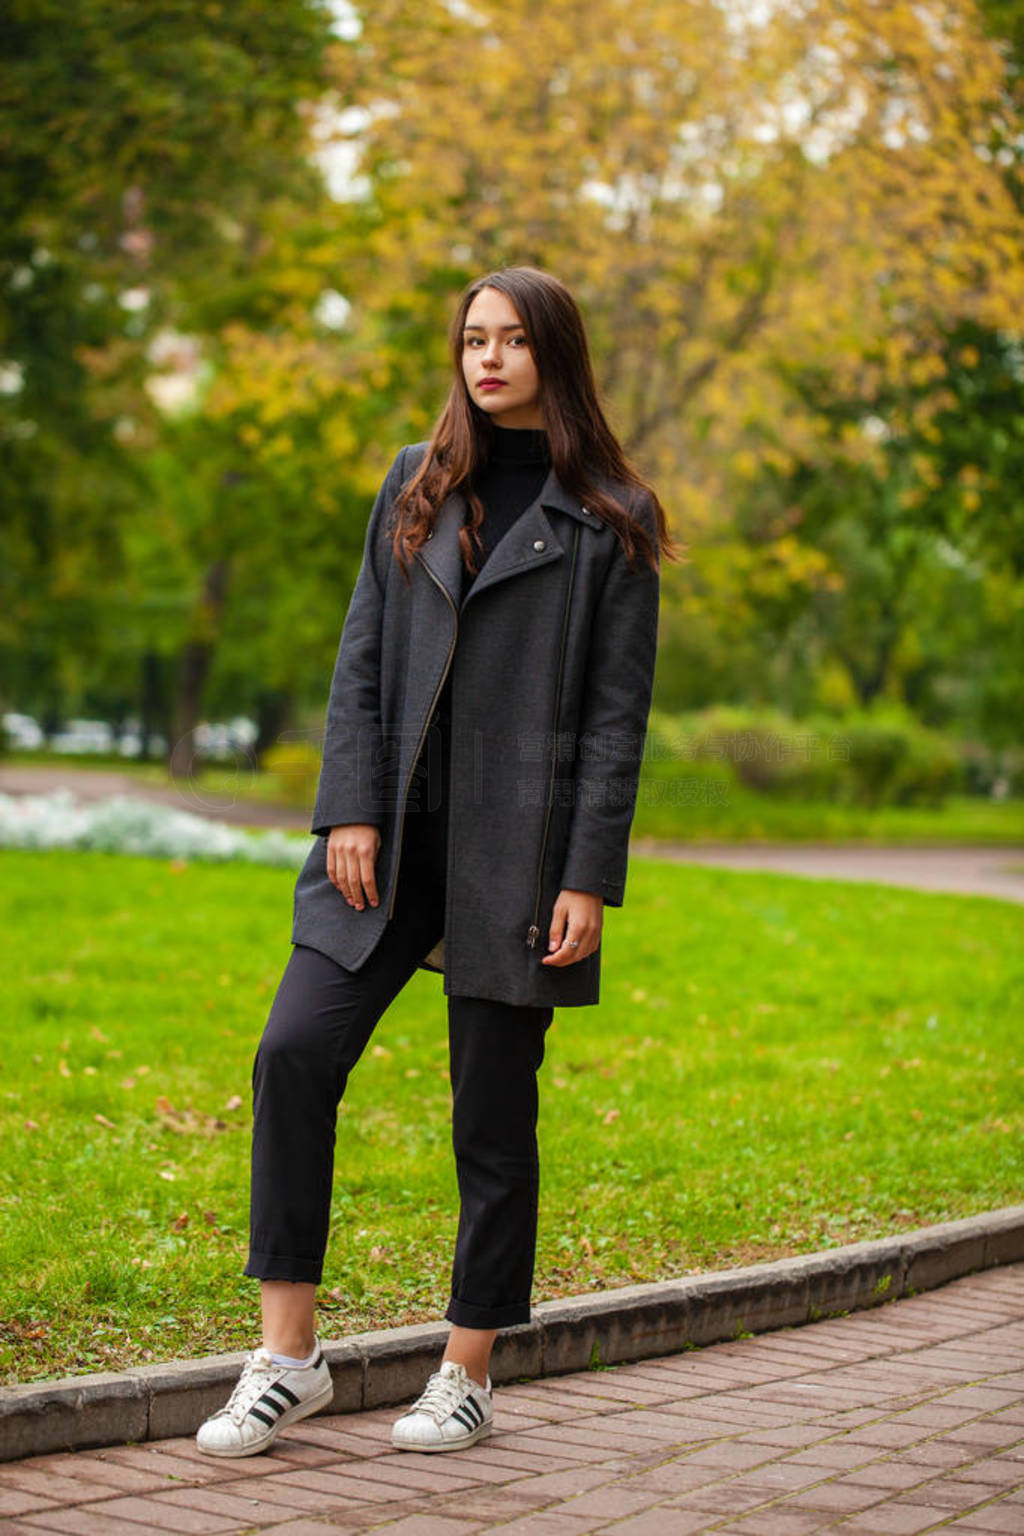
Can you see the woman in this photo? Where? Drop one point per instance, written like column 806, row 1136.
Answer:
column 496, row 662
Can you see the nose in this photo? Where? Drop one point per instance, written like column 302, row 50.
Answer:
column 492, row 353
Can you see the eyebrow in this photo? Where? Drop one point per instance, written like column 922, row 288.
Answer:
column 517, row 327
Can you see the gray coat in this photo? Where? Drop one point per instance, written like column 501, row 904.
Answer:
column 552, row 660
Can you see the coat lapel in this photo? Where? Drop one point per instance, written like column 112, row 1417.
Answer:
column 530, row 541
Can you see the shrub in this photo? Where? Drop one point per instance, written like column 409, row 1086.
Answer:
column 866, row 758
column 768, row 752
column 891, row 760
column 295, row 768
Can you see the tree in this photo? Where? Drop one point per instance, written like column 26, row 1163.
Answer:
column 143, row 151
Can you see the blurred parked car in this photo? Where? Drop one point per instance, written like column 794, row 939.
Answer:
column 24, row 732
column 83, row 736
column 225, row 738
column 129, row 743
column 214, row 739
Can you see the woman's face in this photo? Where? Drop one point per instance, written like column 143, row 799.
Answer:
column 497, row 363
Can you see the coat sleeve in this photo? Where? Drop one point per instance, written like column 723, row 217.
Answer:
column 613, row 723
column 349, row 787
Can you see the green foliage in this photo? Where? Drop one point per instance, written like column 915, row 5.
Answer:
column 871, row 759
column 894, row 761
column 294, row 768
column 146, row 165
column 831, row 414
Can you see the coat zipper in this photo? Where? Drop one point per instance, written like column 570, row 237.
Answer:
column 533, row 933
column 423, row 736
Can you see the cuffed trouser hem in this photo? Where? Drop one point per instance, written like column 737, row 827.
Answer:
column 280, row 1266
column 465, row 1314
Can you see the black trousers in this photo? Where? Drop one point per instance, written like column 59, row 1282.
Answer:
column 321, row 1021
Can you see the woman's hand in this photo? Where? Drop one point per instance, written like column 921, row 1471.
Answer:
column 351, row 854
column 575, row 927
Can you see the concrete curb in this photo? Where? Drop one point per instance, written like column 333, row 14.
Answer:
column 636, row 1322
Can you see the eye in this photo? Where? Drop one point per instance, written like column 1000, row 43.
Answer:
column 518, row 341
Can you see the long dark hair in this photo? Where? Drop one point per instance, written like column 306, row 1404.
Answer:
column 583, row 446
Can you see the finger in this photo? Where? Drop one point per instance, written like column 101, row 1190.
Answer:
column 355, row 884
column 559, row 923
column 366, row 871
column 569, row 951
column 336, row 869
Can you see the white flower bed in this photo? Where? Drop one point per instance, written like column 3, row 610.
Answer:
column 120, row 824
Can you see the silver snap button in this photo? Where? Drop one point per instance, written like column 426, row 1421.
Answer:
column 430, row 535
column 585, row 511
column 538, row 543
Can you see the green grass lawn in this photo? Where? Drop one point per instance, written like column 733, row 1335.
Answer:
column 776, row 1066
column 742, row 816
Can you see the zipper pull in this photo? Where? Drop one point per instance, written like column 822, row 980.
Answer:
column 533, row 935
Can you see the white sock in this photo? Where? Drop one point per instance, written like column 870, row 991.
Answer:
column 296, row 1365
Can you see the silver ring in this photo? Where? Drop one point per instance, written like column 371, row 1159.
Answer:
column 574, row 943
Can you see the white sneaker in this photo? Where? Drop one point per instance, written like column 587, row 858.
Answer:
column 266, row 1398
column 453, row 1411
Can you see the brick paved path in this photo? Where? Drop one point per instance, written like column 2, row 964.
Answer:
column 906, row 1419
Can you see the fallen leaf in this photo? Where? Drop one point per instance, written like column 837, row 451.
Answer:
column 611, row 1116
column 235, row 1102
column 102, row 1120
column 63, row 1068
column 181, row 1223
column 31, row 1125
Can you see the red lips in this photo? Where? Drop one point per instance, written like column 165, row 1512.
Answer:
column 491, row 384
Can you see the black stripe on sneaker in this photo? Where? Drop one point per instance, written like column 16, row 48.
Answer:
column 465, row 1419
column 474, row 1408
column 279, row 1386
column 318, row 1362
column 255, row 1413
column 266, row 1401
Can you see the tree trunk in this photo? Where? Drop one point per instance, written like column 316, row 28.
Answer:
column 273, row 713
column 154, row 704
column 194, row 670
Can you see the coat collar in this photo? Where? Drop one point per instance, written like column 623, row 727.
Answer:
column 530, row 542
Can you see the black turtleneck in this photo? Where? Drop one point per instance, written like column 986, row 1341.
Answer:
column 511, row 479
